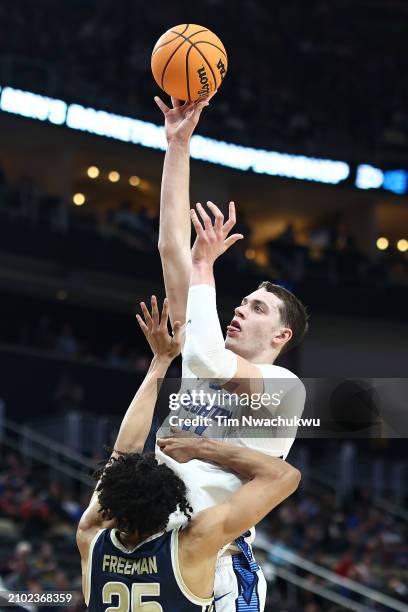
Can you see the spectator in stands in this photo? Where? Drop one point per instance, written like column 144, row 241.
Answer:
column 33, row 511
column 21, row 571
column 45, row 562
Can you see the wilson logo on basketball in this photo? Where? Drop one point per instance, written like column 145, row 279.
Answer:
column 205, row 87
column 221, row 68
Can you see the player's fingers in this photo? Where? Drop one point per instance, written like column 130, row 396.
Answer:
column 228, row 242
column 201, row 104
column 232, row 219
column 142, row 325
column 155, row 311
column 206, row 219
column 176, row 103
column 165, row 314
column 219, row 217
column 197, row 224
column 165, row 443
column 163, row 107
column 146, row 315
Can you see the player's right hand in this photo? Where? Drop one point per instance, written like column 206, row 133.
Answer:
column 181, row 120
column 182, row 449
column 156, row 331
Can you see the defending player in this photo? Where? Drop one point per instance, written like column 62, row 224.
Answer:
column 268, row 321
column 129, row 562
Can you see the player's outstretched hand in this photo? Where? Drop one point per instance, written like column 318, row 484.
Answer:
column 181, row 120
column 156, row 331
column 182, row 449
column 212, row 239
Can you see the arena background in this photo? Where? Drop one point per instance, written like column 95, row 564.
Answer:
column 320, row 79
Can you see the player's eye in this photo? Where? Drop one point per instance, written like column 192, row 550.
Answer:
column 258, row 308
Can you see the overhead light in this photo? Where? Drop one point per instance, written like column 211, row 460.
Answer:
column 78, row 199
column 114, row 176
column 93, row 172
column 402, row 245
column 134, row 181
column 250, row 253
column 382, row 244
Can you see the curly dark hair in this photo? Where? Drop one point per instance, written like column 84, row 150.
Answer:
column 139, row 494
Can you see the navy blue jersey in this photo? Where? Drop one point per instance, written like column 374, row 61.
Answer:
column 126, row 579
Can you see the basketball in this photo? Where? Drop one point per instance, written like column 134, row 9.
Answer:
column 189, row 62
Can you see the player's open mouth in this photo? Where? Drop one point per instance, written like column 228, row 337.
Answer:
column 233, row 328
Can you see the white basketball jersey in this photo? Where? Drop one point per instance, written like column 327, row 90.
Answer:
column 209, row 484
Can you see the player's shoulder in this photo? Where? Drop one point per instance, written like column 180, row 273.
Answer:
column 270, row 370
column 286, row 378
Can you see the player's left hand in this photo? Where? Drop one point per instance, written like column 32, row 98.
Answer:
column 156, row 332
column 212, row 239
column 182, row 449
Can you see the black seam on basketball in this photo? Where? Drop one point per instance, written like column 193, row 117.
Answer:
column 187, row 76
column 202, row 55
column 170, row 41
column 186, row 38
column 198, row 32
column 205, row 60
column 197, row 42
column 170, row 58
column 185, row 29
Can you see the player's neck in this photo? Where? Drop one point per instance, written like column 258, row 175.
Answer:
column 266, row 356
column 130, row 540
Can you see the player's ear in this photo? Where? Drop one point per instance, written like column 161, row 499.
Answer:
column 283, row 336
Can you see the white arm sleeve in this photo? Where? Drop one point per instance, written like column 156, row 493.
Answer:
column 204, row 351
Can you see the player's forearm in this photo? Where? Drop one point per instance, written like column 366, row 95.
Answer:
column 175, row 225
column 245, row 462
column 137, row 421
column 204, row 348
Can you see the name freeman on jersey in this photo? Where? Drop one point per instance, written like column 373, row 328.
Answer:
column 255, row 401
column 119, row 565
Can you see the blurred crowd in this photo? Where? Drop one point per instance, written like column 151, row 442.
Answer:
column 302, row 75
column 38, row 516
column 114, row 239
column 354, row 539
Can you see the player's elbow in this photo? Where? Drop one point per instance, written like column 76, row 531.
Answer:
column 288, row 479
column 296, row 477
column 217, row 363
column 292, row 479
column 171, row 247
column 198, row 364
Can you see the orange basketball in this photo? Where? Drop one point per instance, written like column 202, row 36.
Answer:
column 189, row 62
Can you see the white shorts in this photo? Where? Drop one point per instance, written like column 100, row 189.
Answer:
column 237, row 588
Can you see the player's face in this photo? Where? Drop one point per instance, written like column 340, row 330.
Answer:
column 256, row 322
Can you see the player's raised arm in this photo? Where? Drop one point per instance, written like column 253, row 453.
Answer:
column 137, row 420
column 268, row 482
column 204, row 350
column 175, row 232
